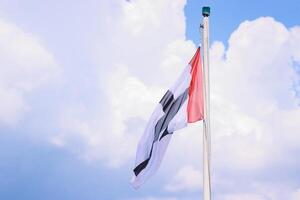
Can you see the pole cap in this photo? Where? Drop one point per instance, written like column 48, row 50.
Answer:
column 205, row 11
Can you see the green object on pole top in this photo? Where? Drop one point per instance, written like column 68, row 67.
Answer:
column 205, row 11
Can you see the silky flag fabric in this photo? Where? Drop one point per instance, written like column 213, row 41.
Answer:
column 181, row 104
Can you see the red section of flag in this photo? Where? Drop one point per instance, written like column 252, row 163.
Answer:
column 195, row 108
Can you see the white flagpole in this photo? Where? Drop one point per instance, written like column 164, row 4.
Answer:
column 206, row 127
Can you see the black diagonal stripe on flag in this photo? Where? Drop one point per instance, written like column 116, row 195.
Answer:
column 171, row 107
column 167, row 100
column 166, row 132
column 143, row 164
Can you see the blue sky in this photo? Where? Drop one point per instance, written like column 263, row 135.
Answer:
column 227, row 15
column 79, row 80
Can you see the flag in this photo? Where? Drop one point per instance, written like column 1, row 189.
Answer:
column 183, row 103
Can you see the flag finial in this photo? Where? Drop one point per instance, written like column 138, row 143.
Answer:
column 205, row 11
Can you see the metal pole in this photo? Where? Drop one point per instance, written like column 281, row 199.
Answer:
column 206, row 128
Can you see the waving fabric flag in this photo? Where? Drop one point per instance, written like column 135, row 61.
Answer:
column 181, row 104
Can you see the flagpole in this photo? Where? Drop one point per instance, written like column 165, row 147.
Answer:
column 206, row 127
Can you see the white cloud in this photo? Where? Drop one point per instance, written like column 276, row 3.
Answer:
column 295, row 195
column 24, row 65
column 252, row 94
column 187, row 178
column 260, row 191
column 11, row 105
column 242, row 196
column 110, row 138
column 139, row 59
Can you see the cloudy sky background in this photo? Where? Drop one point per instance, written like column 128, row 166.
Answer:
column 79, row 79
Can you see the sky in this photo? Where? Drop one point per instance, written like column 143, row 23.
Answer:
column 79, row 80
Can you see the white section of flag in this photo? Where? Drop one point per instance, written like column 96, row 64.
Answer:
column 159, row 146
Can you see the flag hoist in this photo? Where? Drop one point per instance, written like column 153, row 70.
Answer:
column 187, row 101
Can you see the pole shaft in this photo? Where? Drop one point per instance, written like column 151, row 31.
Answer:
column 206, row 128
